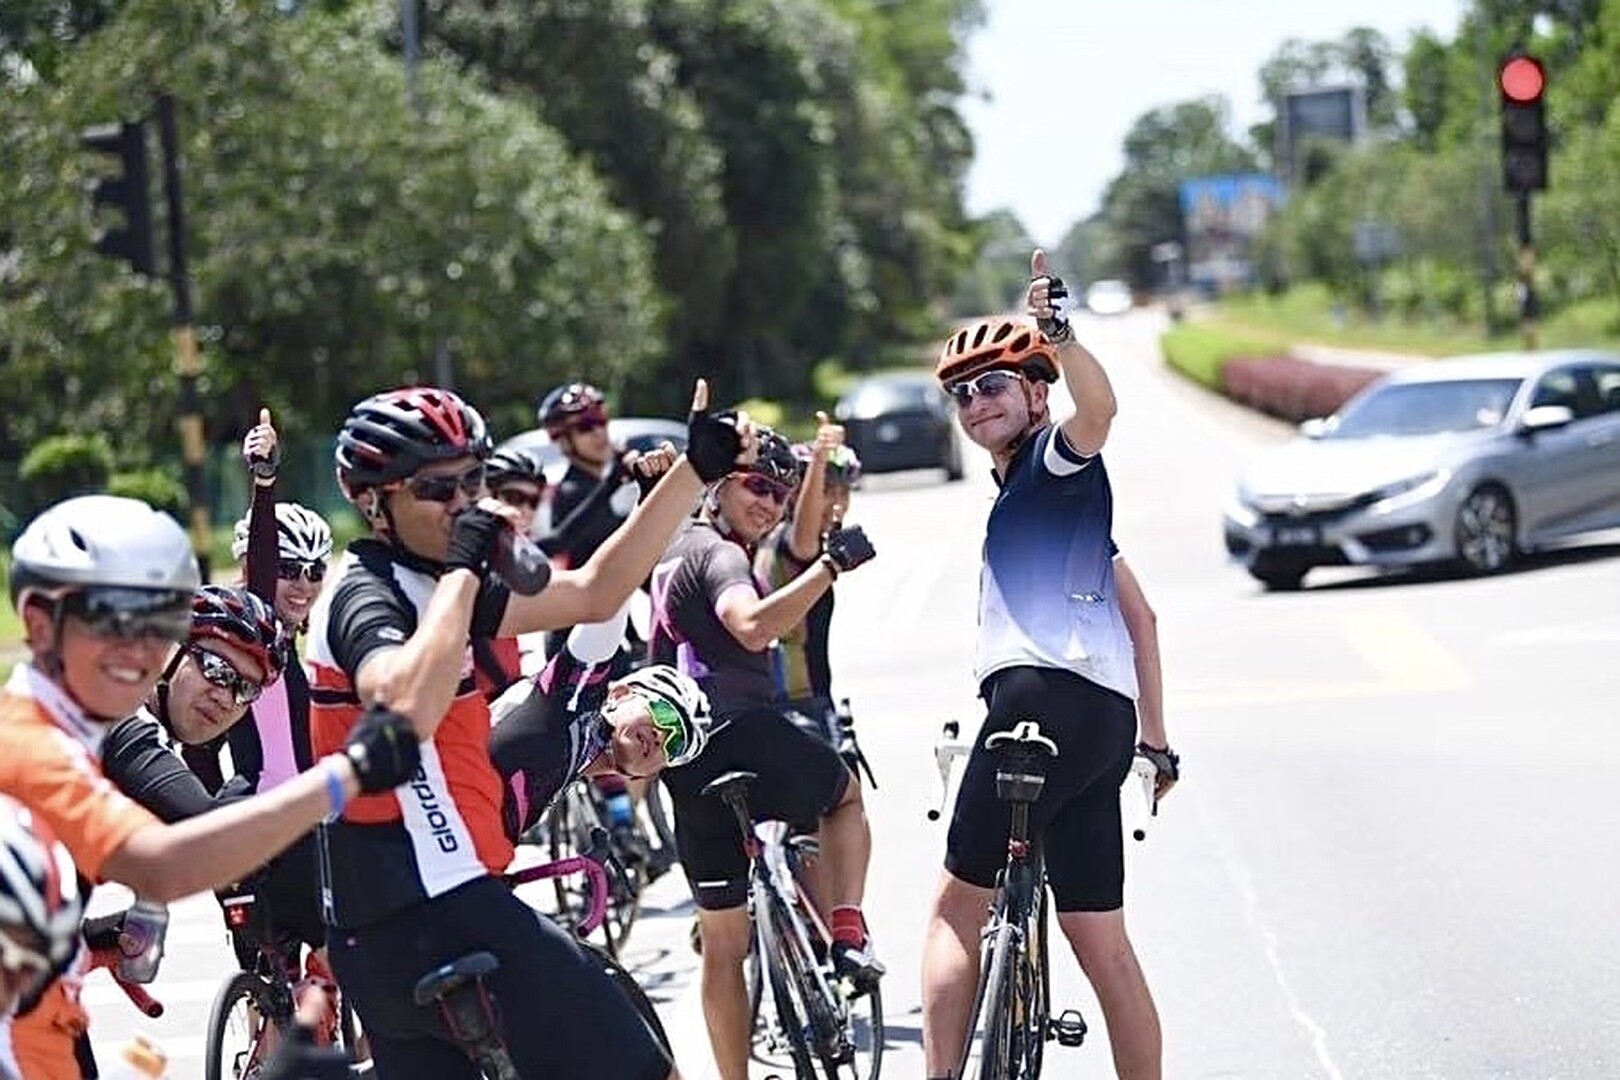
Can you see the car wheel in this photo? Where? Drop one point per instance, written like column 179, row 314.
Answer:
column 1279, row 576
column 1487, row 528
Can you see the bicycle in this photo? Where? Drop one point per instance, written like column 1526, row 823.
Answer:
column 1013, row 995
column 816, row 1016
column 267, row 988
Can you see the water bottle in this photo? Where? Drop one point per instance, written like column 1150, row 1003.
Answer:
column 140, row 941
column 520, row 565
column 621, row 811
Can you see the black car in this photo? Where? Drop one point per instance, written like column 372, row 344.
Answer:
column 901, row 420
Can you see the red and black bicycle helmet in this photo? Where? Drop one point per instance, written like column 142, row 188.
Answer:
column 1012, row 344
column 389, row 436
column 238, row 617
column 776, row 458
column 569, row 402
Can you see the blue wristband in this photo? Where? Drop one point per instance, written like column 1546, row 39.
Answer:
column 336, row 793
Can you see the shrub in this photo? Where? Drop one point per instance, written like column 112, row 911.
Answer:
column 1199, row 351
column 153, row 486
column 63, row 466
column 1292, row 389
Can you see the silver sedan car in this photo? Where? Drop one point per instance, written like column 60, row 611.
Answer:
column 1472, row 459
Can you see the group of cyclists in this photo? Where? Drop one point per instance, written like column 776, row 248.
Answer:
column 166, row 733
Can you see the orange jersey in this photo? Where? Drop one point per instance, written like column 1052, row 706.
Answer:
column 443, row 829
column 48, row 763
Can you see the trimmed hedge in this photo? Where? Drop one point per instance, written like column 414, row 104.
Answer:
column 1199, row 351
column 1292, row 389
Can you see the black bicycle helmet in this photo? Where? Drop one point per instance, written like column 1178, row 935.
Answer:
column 776, row 458
column 389, row 436
column 509, row 464
column 238, row 617
column 559, row 408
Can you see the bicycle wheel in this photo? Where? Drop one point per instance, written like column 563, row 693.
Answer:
column 243, row 1011
column 996, row 1048
column 655, row 812
column 783, row 1027
column 638, row 998
column 1039, row 981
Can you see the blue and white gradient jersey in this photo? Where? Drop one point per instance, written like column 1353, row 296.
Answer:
column 1046, row 591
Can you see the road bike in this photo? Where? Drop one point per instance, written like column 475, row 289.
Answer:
column 1013, row 996
column 815, row 1017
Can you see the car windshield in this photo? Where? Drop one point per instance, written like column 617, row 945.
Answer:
column 877, row 398
column 1426, row 408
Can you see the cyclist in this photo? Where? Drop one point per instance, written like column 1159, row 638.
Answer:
column 711, row 621
column 514, row 477
column 412, row 875
column 104, row 586
column 1053, row 647
column 40, row 909
column 589, row 500
column 830, row 470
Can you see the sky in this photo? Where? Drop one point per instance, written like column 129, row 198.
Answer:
column 1054, row 85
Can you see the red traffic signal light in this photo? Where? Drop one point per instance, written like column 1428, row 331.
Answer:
column 1522, row 79
column 1523, row 83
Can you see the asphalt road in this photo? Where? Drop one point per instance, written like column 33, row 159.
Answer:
column 1393, row 854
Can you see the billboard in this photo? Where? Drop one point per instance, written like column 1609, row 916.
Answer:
column 1331, row 114
column 1222, row 217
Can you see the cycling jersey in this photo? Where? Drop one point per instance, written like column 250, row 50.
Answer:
column 48, row 762
column 803, row 667
column 547, row 732
column 1046, row 590
column 584, row 510
column 699, row 568
column 396, row 849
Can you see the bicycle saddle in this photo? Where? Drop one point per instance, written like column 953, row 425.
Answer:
column 443, row 981
column 1025, row 735
column 727, row 785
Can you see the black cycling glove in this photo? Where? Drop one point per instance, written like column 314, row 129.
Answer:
column 849, row 547
column 384, row 750
column 712, row 444
column 472, row 540
column 1165, row 760
column 1057, row 327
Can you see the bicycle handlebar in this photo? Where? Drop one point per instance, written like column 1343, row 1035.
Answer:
column 947, row 749
column 1137, row 793
column 592, row 862
column 107, row 959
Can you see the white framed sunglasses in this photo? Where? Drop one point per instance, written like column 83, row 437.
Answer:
column 985, row 384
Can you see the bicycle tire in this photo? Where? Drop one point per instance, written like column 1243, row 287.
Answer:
column 657, row 814
column 241, row 986
column 996, row 1047
column 789, row 1020
column 1039, row 1023
column 830, row 1016
column 638, row 999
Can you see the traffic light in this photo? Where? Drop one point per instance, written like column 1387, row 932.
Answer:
column 125, row 191
column 1523, row 83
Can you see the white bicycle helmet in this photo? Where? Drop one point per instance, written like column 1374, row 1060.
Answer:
column 301, row 534
column 39, row 887
column 667, row 684
column 102, row 541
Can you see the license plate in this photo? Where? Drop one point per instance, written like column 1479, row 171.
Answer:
column 1296, row 536
column 888, row 433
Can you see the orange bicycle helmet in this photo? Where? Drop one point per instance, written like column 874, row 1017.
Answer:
column 998, row 342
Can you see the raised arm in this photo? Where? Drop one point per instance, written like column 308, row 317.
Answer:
column 1092, row 393
column 261, row 450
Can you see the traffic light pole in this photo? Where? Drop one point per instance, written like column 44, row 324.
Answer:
column 186, row 362
column 1529, row 303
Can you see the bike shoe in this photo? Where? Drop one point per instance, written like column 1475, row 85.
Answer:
column 860, row 967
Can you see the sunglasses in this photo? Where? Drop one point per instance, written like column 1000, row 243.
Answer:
column 766, row 488
column 666, row 721
column 989, row 384
column 311, row 570
column 132, row 614
column 31, row 966
column 443, row 488
column 586, row 423
column 518, row 497
column 221, row 673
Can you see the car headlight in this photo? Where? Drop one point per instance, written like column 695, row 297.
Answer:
column 1412, row 489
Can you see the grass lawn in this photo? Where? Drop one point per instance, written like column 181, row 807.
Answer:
column 1307, row 314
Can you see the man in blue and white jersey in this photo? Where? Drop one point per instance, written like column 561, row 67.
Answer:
column 1053, row 647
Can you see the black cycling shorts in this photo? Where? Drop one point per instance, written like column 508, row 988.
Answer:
column 560, row 1014
column 801, row 778
column 1077, row 817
